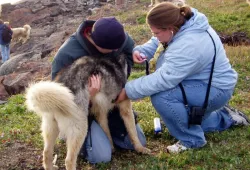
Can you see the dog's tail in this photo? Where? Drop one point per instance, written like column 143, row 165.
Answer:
column 48, row 97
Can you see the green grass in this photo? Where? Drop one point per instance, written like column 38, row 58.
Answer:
column 16, row 124
column 226, row 16
column 224, row 150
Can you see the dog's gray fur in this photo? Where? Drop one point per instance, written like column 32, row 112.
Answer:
column 63, row 105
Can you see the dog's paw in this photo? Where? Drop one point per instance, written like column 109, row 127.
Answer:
column 55, row 167
column 143, row 150
column 113, row 149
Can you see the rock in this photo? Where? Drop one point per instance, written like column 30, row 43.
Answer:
column 3, row 93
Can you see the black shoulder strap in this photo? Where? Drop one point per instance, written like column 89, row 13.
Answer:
column 184, row 95
column 147, row 67
column 209, row 82
column 211, row 75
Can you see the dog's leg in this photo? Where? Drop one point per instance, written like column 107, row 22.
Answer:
column 50, row 132
column 100, row 109
column 129, row 121
column 19, row 40
column 75, row 135
column 26, row 38
column 24, row 41
column 102, row 119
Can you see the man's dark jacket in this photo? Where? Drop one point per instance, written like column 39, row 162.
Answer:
column 78, row 46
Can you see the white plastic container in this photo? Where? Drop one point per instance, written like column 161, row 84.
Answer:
column 157, row 125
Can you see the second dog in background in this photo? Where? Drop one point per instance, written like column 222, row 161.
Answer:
column 21, row 33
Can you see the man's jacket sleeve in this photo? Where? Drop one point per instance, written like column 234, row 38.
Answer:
column 127, row 50
column 70, row 51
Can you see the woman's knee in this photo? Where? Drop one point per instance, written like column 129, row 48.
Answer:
column 163, row 102
column 161, row 97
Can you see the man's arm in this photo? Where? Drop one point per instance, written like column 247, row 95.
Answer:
column 70, row 51
column 127, row 50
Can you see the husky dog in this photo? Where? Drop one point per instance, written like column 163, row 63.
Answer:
column 21, row 33
column 63, row 105
column 176, row 2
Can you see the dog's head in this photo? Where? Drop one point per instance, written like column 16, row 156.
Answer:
column 27, row 27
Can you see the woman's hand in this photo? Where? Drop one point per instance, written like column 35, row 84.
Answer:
column 138, row 57
column 122, row 96
column 94, row 85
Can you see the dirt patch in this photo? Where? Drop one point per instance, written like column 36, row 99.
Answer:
column 236, row 39
column 20, row 156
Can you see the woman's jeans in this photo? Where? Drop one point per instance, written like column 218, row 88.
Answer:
column 169, row 104
column 5, row 52
column 97, row 147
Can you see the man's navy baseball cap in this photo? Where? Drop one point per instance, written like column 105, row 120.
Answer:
column 108, row 33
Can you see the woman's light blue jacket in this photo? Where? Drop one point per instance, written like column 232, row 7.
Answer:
column 189, row 56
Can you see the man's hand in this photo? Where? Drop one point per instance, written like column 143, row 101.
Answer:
column 138, row 57
column 94, row 85
column 122, row 96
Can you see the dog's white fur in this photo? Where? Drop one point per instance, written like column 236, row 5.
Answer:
column 62, row 116
column 176, row 2
column 21, row 33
